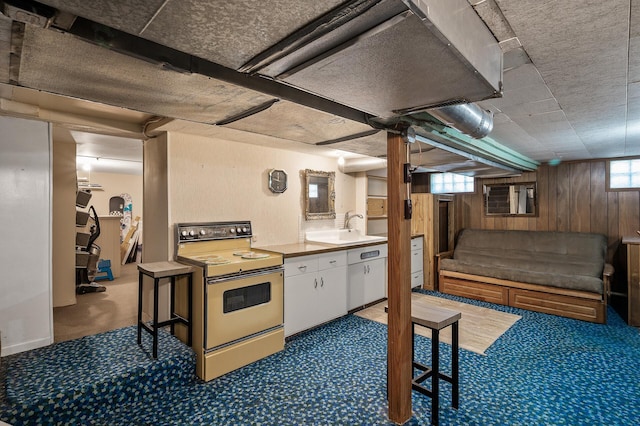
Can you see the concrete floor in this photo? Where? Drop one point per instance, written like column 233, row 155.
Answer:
column 95, row 313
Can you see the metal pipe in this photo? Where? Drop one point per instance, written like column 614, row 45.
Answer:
column 469, row 119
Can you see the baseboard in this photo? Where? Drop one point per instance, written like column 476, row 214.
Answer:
column 26, row 346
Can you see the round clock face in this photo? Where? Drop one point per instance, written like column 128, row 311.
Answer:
column 277, row 181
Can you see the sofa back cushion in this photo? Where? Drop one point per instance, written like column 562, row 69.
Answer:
column 562, row 252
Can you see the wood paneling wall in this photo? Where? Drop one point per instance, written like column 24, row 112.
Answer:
column 571, row 197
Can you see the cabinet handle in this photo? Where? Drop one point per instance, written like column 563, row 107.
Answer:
column 321, row 282
column 332, row 261
column 315, row 280
column 368, row 269
column 365, row 269
column 302, row 267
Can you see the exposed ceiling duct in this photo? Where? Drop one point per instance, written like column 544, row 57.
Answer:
column 381, row 58
column 389, row 58
column 475, row 157
column 469, row 119
column 325, row 74
column 353, row 165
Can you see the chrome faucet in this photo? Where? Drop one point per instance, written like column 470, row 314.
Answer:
column 347, row 218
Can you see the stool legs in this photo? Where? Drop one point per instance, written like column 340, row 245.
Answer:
column 156, row 281
column 140, row 308
column 455, row 375
column 190, row 308
column 435, row 374
column 172, row 307
column 435, row 378
column 155, row 324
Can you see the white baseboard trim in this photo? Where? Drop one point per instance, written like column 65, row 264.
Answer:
column 26, row 346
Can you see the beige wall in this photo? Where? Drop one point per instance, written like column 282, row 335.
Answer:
column 64, row 219
column 113, row 185
column 214, row 180
column 155, row 242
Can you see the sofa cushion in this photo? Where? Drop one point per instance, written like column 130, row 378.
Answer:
column 549, row 278
column 569, row 260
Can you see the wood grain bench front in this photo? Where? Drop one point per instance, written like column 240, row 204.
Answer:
column 559, row 273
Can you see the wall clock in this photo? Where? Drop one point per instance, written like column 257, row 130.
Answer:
column 277, row 181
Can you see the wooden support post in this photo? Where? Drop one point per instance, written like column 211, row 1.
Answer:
column 399, row 350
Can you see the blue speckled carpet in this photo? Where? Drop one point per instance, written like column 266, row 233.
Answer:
column 543, row 370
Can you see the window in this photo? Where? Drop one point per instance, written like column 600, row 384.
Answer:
column 447, row 183
column 624, row 174
column 313, row 190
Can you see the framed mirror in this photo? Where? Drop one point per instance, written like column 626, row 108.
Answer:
column 513, row 199
column 320, row 195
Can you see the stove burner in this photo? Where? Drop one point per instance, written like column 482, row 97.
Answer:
column 252, row 255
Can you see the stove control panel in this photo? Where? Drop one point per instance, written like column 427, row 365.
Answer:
column 213, row 231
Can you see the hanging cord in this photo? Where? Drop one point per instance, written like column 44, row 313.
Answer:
column 408, row 184
column 408, row 209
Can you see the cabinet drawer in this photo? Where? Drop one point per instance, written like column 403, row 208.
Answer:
column 376, row 207
column 416, row 243
column 416, row 279
column 300, row 265
column 474, row 290
column 416, row 261
column 332, row 260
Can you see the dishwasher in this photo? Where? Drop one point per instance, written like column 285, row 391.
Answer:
column 367, row 269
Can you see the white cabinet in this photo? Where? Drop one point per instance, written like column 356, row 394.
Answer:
column 367, row 275
column 315, row 290
column 417, row 262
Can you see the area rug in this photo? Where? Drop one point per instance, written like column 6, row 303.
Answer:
column 479, row 327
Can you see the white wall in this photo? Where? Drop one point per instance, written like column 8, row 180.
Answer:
column 213, row 180
column 25, row 253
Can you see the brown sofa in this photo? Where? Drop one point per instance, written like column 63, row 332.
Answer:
column 560, row 273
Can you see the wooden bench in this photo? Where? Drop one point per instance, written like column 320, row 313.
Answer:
column 582, row 305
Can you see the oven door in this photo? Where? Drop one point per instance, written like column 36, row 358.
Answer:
column 240, row 307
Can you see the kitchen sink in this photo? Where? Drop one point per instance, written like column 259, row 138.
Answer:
column 341, row 237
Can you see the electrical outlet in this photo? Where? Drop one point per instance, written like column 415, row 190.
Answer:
column 254, row 238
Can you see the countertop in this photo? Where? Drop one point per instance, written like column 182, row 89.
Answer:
column 304, row 249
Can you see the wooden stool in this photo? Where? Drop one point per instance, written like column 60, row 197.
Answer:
column 157, row 271
column 435, row 319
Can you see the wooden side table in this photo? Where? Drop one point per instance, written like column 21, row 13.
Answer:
column 633, row 279
column 157, row 271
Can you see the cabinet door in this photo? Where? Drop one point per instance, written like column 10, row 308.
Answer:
column 417, row 279
column 300, row 303
column 332, row 294
column 416, row 260
column 376, row 207
column 374, row 280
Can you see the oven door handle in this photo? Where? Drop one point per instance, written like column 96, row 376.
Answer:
column 257, row 273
